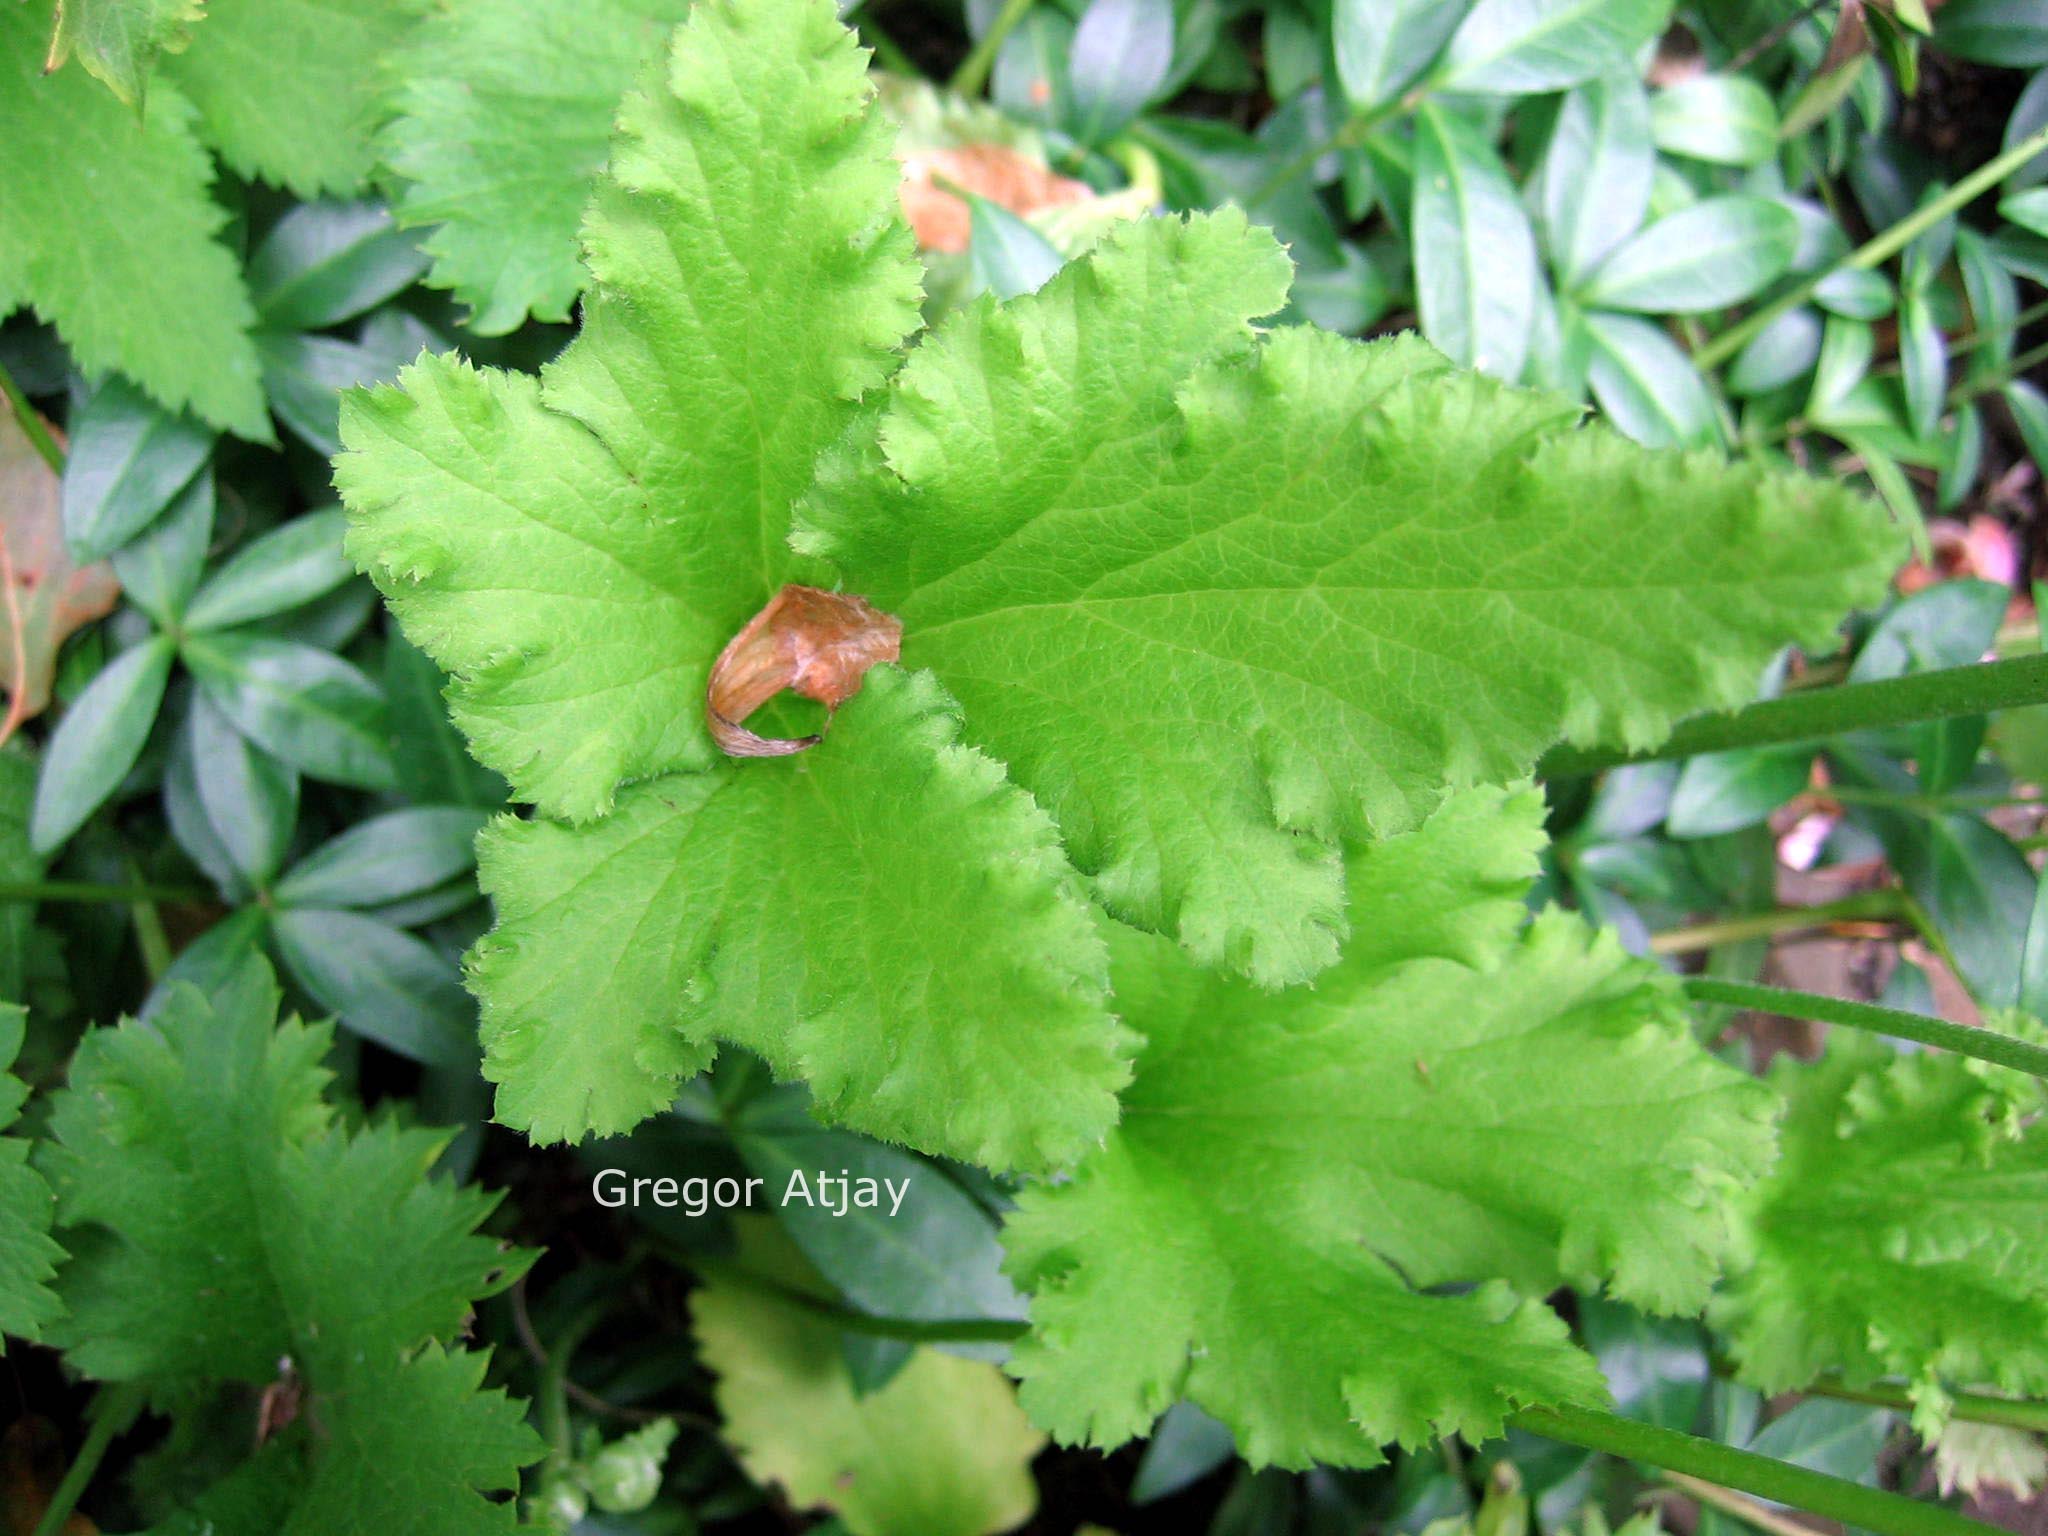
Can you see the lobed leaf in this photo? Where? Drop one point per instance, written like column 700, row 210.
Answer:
column 575, row 552
column 130, row 273
column 290, row 91
column 1904, row 1231
column 1218, row 606
column 1281, row 1227
column 501, row 122
column 884, row 916
column 28, row 1256
column 221, row 1222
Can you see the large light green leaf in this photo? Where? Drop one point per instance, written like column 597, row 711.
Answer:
column 884, row 916
column 291, row 90
column 502, row 118
column 220, row 1222
column 577, row 551
column 1216, row 617
column 1295, row 1177
column 1904, row 1231
column 106, row 227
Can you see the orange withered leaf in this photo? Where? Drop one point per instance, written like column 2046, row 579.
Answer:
column 816, row 643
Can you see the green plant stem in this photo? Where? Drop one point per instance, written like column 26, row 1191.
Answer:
column 1878, row 248
column 887, row 49
column 1971, row 1407
column 1349, row 135
column 973, row 72
column 31, row 424
column 1833, row 1498
column 1815, row 713
column 1984, row 1044
column 1970, row 389
column 113, row 1409
column 1868, row 906
column 553, row 1390
column 92, row 890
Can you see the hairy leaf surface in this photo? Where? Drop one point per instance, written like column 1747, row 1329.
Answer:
column 1218, row 606
column 503, row 119
column 107, row 228
column 1452, row 1103
column 1904, row 1231
column 221, row 1222
column 576, row 553
column 885, row 916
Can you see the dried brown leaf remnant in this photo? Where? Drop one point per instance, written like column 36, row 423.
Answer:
column 816, row 643
column 43, row 596
column 1002, row 174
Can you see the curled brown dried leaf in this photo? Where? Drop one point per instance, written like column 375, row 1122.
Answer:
column 812, row 642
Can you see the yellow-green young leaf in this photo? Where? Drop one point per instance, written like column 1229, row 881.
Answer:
column 291, row 91
column 28, row 1258
column 577, row 552
column 1218, row 605
column 106, row 227
column 1904, row 1231
column 885, row 916
column 118, row 40
column 1454, row 1102
column 224, row 1228
column 942, row 1450
column 501, row 121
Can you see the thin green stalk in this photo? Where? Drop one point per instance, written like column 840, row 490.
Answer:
column 1970, row 389
column 1834, row 1498
column 973, row 72
column 1984, row 1044
column 113, row 1409
column 553, row 1390
column 31, row 423
column 1350, row 134
column 93, row 890
column 887, row 49
column 1878, row 248
column 1816, row 713
column 1868, row 906
column 1971, row 1407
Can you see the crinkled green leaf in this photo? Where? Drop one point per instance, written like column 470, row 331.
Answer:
column 291, row 91
column 221, row 1222
column 28, row 1258
column 1218, row 605
column 1904, row 1231
column 502, row 121
column 106, row 227
column 576, row 551
column 118, row 40
column 942, row 1450
column 1453, row 1102
column 884, row 916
